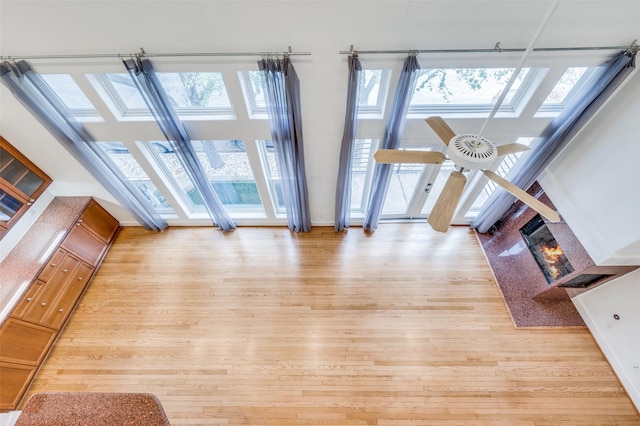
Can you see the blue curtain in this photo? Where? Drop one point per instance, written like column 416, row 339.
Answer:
column 343, row 188
column 146, row 79
column 33, row 92
column 557, row 135
column 392, row 135
column 282, row 93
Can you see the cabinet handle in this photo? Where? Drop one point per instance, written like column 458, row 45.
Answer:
column 44, row 304
column 79, row 278
column 52, row 265
column 29, row 299
column 65, row 270
column 60, row 310
column 32, row 200
column 28, row 204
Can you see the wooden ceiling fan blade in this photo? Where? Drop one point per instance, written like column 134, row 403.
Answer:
column 408, row 156
column 442, row 213
column 511, row 148
column 441, row 128
column 529, row 200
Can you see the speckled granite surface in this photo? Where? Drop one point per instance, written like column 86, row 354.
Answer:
column 519, row 277
column 93, row 408
column 22, row 264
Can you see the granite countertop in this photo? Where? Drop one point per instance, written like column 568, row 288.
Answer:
column 93, row 408
column 22, row 263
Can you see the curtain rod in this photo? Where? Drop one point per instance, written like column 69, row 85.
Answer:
column 632, row 48
column 142, row 53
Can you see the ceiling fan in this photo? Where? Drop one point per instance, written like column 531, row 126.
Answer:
column 468, row 152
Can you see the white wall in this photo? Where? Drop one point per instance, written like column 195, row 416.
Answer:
column 595, row 181
column 618, row 338
column 594, row 184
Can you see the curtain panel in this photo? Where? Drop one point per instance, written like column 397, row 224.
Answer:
column 282, row 95
column 557, row 135
column 343, row 187
column 34, row 93
column 159, row 103
column 391, row 140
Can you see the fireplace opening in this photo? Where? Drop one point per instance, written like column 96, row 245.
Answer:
column 545, row 250
column 585, row 280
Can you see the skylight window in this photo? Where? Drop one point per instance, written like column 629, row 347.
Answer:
column 466, row 89
column 251, row 83
column 192, row 94
column 565, row 90
column 70, row 95
column 373, row 88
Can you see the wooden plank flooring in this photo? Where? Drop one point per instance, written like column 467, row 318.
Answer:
column 264, row 327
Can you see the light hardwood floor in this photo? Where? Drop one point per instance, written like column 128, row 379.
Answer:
column 260, row 326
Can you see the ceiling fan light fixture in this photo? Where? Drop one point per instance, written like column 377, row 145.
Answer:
column 471, row 152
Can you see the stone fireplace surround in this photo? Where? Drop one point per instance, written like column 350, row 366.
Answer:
column 531, row 300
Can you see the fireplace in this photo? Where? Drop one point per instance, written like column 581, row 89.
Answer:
column 546, row 251
column 545, row 258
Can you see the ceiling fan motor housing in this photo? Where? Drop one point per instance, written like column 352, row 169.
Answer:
column 471, row 152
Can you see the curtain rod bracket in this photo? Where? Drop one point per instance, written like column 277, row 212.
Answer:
column 498, row 48
column 633, row 48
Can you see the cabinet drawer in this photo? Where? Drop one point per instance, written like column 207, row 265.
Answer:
column 28, row 300
column 54, row 264
column 44, row 301
column 15, row 381
column 24, row 343
column 67, row 298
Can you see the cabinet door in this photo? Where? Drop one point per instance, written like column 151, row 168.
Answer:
column 99, row 222
column 43, row 303
column 68, row 296
column 24, row 343
column 85, row 244
column 15, row 381
column 21, row 183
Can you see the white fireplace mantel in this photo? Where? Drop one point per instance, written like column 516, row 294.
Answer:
column 595, row 180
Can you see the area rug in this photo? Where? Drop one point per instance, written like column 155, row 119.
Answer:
column 525, row 310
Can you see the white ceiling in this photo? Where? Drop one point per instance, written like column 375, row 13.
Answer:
column 321, row 27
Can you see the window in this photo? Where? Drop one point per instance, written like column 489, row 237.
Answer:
column 374, row 85
column 564, row 90
column 70, row 94
column 466, row 89
column 251, row 82
column 133, row 172
column 193, row 94
column 465, row 96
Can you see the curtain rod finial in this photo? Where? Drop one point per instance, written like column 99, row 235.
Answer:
column 633, row 48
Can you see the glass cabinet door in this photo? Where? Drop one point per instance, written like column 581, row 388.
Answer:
column 21, row 183
column 9, row 206
column 18, row 175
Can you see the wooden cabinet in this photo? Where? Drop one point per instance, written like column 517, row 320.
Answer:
column 15, row 381
column 24, row 343
column 53, row 295
column 40, row 315
column 21, row 183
